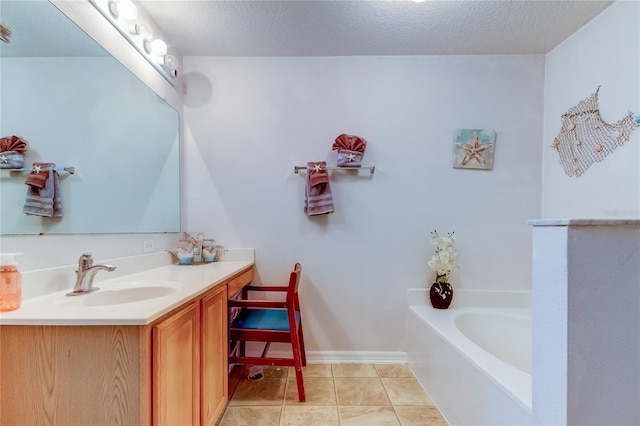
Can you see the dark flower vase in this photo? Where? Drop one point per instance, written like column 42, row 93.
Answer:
column 441, row 295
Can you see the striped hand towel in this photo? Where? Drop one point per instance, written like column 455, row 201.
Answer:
column 318, row 198
column 44, row 201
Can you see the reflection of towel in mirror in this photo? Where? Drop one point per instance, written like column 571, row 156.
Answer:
column 43, row 200
column 13, row 143
column 11, row 160
column 12, row 150
column 318, row 198
column 38, row 177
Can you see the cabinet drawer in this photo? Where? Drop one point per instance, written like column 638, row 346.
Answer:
column 236, row 284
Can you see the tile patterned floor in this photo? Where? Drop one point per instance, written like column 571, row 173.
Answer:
column 337, row 394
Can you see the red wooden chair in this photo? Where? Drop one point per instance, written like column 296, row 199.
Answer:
column 269, row 321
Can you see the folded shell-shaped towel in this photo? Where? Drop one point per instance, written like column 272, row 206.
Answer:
column 348, row 158
column 350, row 143
column 11, row 160
column 13, row 143
column 350, row 150
column 12, row 150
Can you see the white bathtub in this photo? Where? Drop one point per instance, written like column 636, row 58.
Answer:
column 474, row 359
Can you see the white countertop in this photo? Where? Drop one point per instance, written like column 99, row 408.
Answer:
column 55, row 308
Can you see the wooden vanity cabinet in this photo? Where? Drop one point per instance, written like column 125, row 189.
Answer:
column 75, row 375
column 190, row 367
column 214, row 347
column 171, row 372
column 176, row 368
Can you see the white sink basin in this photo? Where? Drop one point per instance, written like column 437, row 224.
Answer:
column 123, row 292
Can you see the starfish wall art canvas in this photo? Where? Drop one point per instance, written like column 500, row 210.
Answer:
column 473, row 149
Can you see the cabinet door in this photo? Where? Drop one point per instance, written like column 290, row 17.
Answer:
column 214, row 355
column 176, row 368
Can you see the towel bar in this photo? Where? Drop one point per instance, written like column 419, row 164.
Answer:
column 372, row 169
column 69, row 169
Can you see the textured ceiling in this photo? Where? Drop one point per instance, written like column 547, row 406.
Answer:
column 335, row 28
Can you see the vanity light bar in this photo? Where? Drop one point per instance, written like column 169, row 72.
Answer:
column 120, row 14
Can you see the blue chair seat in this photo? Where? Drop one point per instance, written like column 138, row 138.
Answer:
column 267, row 321
column 263, row 319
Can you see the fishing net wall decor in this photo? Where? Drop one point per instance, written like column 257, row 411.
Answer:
column 586, row 138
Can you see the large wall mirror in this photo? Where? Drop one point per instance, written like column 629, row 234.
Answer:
column 78, row 106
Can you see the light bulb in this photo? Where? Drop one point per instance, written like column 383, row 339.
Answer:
column 171, row 62
column 123, row 8
column 156, row 47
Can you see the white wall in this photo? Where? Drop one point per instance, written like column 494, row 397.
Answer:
column 603, row 53
column 248, row 121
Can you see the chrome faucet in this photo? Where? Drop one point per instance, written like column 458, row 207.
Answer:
column 85, row 273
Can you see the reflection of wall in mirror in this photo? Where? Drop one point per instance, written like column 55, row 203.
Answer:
column 92, row 113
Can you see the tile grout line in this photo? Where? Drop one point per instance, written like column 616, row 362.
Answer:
column 335, row 391
column 393, row 407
